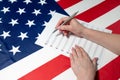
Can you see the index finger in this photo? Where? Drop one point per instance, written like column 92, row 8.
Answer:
column 61, row 21
column 84, row 53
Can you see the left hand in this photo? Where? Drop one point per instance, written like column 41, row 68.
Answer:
column 83, row 67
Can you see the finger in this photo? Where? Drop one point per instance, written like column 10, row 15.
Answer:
column 78, row 50
column 95, row 61
column 84, row 53
column 61, row 21
column 74, row 54
column 71, row 59
column 65, row 33
column 64, row 27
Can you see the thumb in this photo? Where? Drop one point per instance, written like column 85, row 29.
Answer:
column 95, row 61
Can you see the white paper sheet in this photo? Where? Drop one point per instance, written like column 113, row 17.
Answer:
column 64, row 44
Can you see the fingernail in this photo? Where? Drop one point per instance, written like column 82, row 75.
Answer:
column 58, row 27
column 96, row 58
column 73, row 48
column 76, row 45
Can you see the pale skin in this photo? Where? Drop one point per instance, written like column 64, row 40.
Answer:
column 83, row 67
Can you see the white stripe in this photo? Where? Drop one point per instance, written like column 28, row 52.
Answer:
column 66, row 75
column 107, row 57
column 108, row 18
column 83, row 6
column 24, row 66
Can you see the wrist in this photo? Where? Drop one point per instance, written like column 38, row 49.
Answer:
column 86, row 79
column 84, row 32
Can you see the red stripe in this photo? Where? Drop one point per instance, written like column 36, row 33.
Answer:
column 98, row 10
column 49, row 70
column 110, row 72
column 67, row 3
column 115, row 27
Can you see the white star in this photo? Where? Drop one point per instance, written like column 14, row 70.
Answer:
column 36, row 12
column 12, row 1
column 14, row 49
column 30, row 23
column 0, row 46
column 0, row 0
column 5, row 34
column 38, row 36
column 42, row 2
column 23, row 35
column 0, row 20
column 13, row 22
column 57, row 0
column 5, row 9
column 46, row 24
column 20, row 11
column 27, row 1
column 52, row 13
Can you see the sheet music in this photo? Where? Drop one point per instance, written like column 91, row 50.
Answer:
column 64, row 44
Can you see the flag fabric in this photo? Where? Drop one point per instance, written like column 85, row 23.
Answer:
column 29, row 21
column 100, row 13
column 20, row 23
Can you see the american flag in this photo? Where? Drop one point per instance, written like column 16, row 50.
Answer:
column 21, row 21
column 29, row 18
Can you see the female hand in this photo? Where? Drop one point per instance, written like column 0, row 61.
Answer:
column 72, row 26
column 83, row 67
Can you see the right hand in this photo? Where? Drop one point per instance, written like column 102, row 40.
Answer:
column 72, row 26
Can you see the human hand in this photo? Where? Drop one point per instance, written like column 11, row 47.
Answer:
column 83, row 67
column 72, row 26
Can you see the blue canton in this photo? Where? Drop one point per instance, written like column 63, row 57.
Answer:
column 21, row 22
